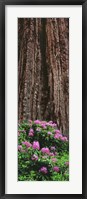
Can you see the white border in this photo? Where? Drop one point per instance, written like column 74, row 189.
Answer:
column 74, row 186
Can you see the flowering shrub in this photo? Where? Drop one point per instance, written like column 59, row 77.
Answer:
column 43, row 152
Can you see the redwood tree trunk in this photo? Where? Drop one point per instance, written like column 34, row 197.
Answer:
column 43, row 70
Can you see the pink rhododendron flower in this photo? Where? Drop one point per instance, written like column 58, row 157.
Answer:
column 38, row 129
column 34, row 157
column 54, row 159
column 53, row 148
column 60, row 136
column 43, row 122
column 49, row 133
column 43, row 170
column 47, row 124
column 64, row 139
column 45, row 150
column 56, row 169
column 57, row 131
column 27, row 144
column 53, row 125
column 50, row 122
column 19, row 147
column 56, row 136
column 56, row 153
column 31, row 133
column 36, row 145
column 37, row 122
column 30, row 121
column 51, row 154
column 43, row 126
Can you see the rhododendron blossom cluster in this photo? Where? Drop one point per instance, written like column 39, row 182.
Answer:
column 43, row 152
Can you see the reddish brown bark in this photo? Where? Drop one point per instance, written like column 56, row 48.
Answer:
column 43, row 70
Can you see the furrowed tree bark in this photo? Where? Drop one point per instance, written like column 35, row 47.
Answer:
column 43, row 70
